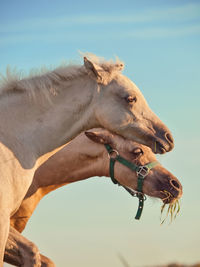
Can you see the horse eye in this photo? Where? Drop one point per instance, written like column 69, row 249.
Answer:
column 138, row 151
column 131, row 99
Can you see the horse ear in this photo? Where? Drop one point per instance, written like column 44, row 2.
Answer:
column 99, row 137
column 119, row 66
column 94, row 69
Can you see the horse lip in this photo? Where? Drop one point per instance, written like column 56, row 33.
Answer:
column 168, row 200
column 159, row 148
column 163, row 150
column 162, row 147
column 171, row 198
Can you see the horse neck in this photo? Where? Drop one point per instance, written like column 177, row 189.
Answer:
column 32, row 129
column 77, row 161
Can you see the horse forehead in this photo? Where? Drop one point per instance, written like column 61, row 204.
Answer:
column 126, row 84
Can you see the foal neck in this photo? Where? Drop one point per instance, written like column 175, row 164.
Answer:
column 78, row 160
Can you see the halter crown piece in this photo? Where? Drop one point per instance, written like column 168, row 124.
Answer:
column 141, row 171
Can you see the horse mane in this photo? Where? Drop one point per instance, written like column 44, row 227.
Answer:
column 43, row 79
column 49, row 80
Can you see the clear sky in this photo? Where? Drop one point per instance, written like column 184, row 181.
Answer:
column 88, row 223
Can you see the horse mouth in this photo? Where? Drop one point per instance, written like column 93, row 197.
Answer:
column 173, row 206
column 167, row 197
column 159, row 148
column 162, row 148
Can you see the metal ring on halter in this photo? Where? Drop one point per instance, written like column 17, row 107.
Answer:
column 111, row 152
column 145, row 197
column 140, row 193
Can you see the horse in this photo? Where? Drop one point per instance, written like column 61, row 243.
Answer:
column 41, row 113
column 82, row 158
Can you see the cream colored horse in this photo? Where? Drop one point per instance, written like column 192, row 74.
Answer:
column 84, row 157
column 39, row 114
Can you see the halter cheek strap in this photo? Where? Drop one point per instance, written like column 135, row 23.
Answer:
column 141, row 171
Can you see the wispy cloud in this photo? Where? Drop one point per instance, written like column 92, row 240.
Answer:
column 149, row 24
column 163, row 32
column 70, row 36
column 181, row 13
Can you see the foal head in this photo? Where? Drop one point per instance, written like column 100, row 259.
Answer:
column 156, row 183
column 121, row 108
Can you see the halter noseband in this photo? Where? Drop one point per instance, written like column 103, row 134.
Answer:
column 141, row 171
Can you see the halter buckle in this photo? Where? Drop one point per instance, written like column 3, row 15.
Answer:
column 142, row 171
column 112, row 154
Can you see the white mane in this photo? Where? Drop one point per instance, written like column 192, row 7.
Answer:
column 49, row 80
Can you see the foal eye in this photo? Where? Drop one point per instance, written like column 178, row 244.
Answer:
column 138, row 151
column 131, row 99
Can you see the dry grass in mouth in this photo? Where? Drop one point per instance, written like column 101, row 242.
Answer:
column 173, row 208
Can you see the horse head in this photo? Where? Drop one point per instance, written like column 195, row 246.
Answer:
column 159, row 182
column 122, row 109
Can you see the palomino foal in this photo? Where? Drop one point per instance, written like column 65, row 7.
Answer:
column 88, row 152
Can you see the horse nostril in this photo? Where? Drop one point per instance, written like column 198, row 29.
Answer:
column 169, row 137
column 175, row 184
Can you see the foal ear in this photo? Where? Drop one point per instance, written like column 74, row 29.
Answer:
column 119, row 66
column 93, row 69
column 99, row 137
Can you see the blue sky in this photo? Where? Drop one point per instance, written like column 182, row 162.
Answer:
column 88, row 223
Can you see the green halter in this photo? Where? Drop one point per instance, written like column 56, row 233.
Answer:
column 142, row 172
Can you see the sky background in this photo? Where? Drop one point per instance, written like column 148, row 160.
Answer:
column 88, row 223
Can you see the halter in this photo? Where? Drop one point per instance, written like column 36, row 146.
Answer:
column 141, row 171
